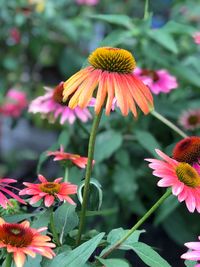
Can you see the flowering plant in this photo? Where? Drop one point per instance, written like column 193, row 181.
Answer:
column 101, row 134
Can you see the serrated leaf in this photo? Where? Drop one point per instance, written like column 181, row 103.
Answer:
column 121, row 20
column 147, row 141
column 106, row 144
column 113, row 262
column 165, row 39
column 78, row 256
column 149, row 256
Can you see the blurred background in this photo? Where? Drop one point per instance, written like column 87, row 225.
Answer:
column 43, row 42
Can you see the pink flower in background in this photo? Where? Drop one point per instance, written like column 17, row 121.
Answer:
column 196, row 38
column 51, row 106
column 4, row 201
column 87, row 2
column 194, row 254
column 15, row 35
column 190, row 120
column 79, row 161
column 159, row 81
column 49, row 191
column 180, row 176
column 15, row 102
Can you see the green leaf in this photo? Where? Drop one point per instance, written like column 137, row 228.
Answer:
column 164, row 39
column 147, row 141
column 175, row 27
column 115, row 38
column 33, row 262
column 113, row 262
column 190, row 263
column 187, row 74
column 78, row 256
column 121, row 20
column 149, row 256
column 106, row 144
column 117, row 234
column 65, row 219
column 170, row 204
column 42, row 220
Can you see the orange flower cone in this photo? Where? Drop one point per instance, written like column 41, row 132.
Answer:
column 111, row 73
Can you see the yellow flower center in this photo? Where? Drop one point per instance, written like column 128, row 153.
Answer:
column 15, row 235
column 50, row 188
column 188, row 175
column 112, row 59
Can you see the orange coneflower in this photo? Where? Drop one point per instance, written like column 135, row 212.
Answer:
column 111, row 70
column 21, row 240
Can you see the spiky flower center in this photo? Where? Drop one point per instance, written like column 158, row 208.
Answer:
column 112, row 60
column 51, row 188
column 187, row 150
column 151, row 73
column 15, row 235
column 193, row 120
column 188, row 175
column 58, row 94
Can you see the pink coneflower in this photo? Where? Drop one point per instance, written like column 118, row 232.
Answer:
column 196, row 38
column 159, row 81
column 110, row 75
column 194, row 254
column 79, row 161
column 21, row 240
column 15, row 102
column 190, row 120
column 4, row 201
column 49, row 191
column 15, row 35
column 51, row 106
column 87, row 2
column 181, row 176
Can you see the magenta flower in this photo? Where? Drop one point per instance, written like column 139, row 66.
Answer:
column 4, row 201
column 49, row 191
column 190, row 120
column 51, row 106
column 194, row 254
column 159, row 81
column 15, row 102
column 87, row 2
column 196, row 38
column 180, row 176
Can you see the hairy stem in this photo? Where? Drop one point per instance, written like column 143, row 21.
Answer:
column 53, row 229
column 168, row 123
column 86, row 189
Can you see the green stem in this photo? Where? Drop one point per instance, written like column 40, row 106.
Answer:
column 138, row 224
column 53, row 229
column 8, row 261
column 66, row 177
column 146, row 9
column 86, row 189
column 168, row 123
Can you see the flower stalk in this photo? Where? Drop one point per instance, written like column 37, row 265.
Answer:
column 86, row 189
column 168, row 123
column 138, row 224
